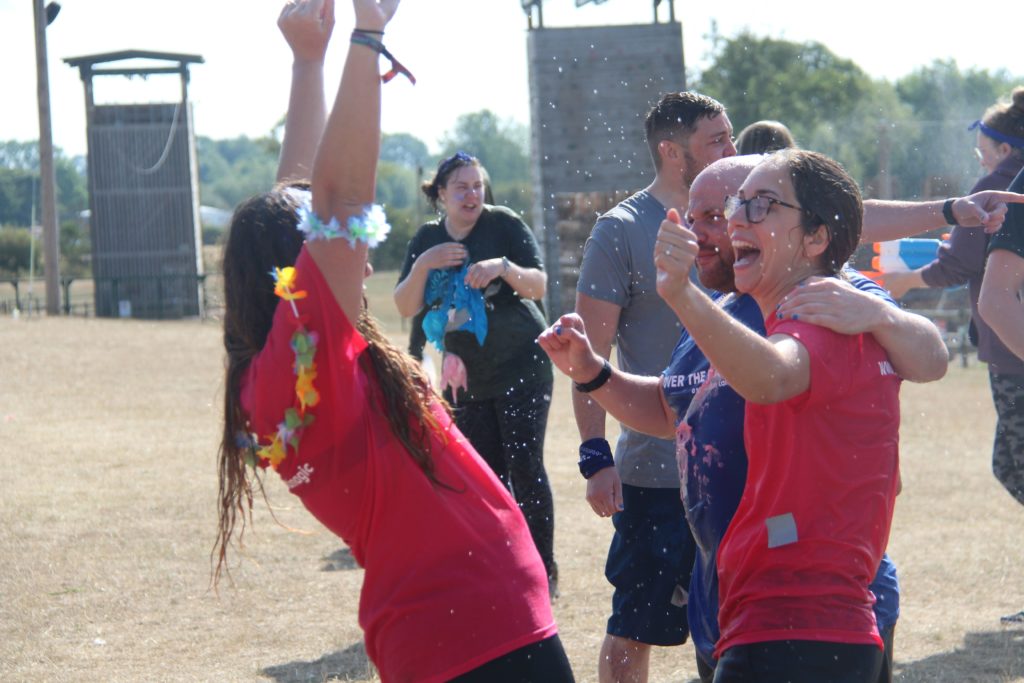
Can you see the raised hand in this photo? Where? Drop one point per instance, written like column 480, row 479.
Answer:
column 674, row 253
column 374, row 15
column 307, row 26
column 567, row 345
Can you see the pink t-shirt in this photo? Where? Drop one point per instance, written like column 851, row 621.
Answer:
column 453, row 579
column 814, row 519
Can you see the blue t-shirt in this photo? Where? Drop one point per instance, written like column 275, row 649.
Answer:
column 713, row 467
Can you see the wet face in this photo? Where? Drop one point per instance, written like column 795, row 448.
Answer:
column 773, row 254
column 710, row 141
column 463, row 195
column 990, row 153
column 706, row 217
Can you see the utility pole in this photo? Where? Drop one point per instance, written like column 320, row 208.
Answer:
column 47, row 176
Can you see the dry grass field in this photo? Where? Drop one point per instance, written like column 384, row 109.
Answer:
column 109, row 431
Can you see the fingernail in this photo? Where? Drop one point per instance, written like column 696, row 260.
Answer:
column 779, row 316
column 558, row 329
column 796, row 317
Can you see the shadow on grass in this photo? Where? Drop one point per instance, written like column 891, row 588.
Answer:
column 990, row 657
column 339, row 560
column 350, row 664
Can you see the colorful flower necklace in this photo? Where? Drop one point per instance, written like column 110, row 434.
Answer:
column 370, row 227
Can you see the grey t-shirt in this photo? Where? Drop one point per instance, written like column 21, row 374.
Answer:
column 618, row 267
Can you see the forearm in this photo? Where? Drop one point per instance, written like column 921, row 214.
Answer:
column 344, row 174
column 636, row 402
column 408, row 294
column 528, row 283
column 892, row 220
column 1004, row 313
column 913, row 343
column 999, row 303
column 755, row 368
column 304, row 123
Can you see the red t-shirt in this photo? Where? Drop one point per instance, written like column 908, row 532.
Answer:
column 453, row 579
column 814, row 519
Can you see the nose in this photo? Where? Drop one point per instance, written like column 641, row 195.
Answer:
column 730, row 149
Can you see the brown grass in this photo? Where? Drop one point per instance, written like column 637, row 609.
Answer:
column 108, row 513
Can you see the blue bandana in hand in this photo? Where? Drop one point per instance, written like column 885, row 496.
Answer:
column 453, row 305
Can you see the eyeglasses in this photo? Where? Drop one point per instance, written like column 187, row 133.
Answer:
column 756, row 207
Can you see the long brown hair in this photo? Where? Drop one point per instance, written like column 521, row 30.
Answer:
column 264, row 235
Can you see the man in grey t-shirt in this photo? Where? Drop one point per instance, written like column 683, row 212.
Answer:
column 651, row 554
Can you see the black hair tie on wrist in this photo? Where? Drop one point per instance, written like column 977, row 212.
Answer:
column 597, row 382
column 364, row 38
column 947, row 212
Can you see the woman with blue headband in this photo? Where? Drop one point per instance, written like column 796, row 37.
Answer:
column 1000, row 151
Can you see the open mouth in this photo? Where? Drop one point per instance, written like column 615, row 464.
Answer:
column 747, row 253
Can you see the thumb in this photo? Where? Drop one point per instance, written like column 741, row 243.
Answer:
column 673, row 215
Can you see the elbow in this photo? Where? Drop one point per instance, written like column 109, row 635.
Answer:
column 987, row 306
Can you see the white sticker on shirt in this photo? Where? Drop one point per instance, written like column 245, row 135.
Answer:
column 781, row 530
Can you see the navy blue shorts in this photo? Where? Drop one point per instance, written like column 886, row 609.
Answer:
column 649, row 564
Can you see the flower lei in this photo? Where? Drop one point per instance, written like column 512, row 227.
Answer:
column 370, row 227
column 273, row 448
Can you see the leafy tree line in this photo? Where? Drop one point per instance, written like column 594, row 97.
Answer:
column 906, row 139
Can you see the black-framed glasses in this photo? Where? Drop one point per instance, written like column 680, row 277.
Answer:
column 756, row 207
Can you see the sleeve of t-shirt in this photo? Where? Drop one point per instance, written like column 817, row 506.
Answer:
column 412, row 252
column 1011, row 236
column 523, row 249
column 832, row 357
column 268, row 388
column 866, row 284
column 605, row 269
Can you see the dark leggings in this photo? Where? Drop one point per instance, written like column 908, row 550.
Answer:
column 799, row 661
column 542, row 662
column 508, row 433
column 1008, row 450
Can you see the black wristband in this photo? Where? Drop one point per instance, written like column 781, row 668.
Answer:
column 595, row 455
column 597, row 382
column 947, row 212
column 366, row 30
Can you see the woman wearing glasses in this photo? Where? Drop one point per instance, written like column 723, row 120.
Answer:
column 477, row 270
column 821, row 433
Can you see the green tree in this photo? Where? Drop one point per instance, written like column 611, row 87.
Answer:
column 19, row 183
column 945, row 101
column 404, row 149
column 800, row 84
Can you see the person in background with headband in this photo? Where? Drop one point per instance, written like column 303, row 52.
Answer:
column 1000, row 150
column 477, row 270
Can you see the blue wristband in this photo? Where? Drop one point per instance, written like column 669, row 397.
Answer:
column 595, row 455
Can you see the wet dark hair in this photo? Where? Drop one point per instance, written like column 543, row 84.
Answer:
column 829, row 197
column 675, row 117
column 263, row 235
column 445, row 168
column 763, row 137
column 1008, row 118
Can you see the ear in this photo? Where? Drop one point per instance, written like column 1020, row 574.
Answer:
column 668, row 150
column 817, row 242
column 1003, row 150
